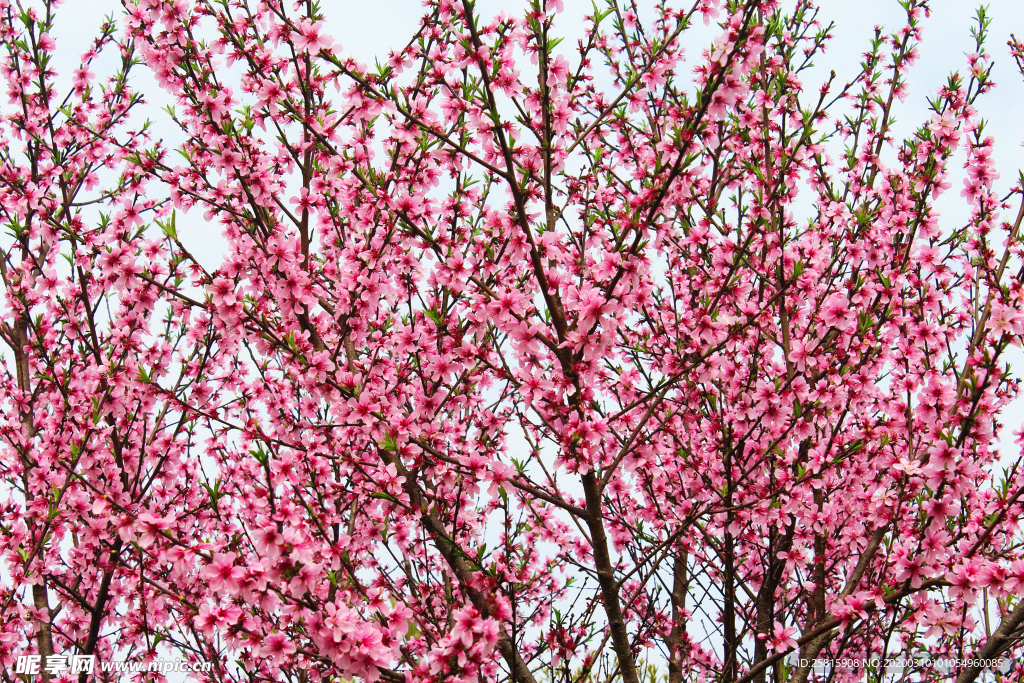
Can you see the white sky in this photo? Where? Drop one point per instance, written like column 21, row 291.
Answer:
column 368, row 30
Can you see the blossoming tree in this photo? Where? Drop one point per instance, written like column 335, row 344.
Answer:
column 527, row 361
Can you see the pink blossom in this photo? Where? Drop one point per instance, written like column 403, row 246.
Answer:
column 222, row 573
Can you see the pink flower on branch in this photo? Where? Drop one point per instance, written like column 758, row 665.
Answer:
column 494, row 376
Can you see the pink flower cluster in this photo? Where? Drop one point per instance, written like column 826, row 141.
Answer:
column 522, row 359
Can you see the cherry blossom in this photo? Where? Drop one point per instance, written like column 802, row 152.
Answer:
column 524, row 359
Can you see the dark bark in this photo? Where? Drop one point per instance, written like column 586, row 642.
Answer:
column 1004, row 637
column 731, row 645
column 676, row 640
column 606, row 579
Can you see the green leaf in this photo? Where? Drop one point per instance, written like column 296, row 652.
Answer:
column 169, row 226
column 434, row 315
